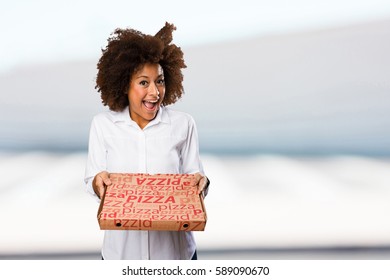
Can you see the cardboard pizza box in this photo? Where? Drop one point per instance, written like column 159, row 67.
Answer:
column 152, row 202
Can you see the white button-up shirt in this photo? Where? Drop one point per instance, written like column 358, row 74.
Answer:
column 168, row 144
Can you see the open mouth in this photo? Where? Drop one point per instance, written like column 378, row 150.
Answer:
column 150, row 104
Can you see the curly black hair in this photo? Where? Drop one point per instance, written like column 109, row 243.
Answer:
column 126, row 52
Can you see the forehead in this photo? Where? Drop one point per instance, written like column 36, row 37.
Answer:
column 149, row 69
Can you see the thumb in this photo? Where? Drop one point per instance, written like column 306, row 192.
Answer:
column 105, row 176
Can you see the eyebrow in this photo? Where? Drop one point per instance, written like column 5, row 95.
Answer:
column 143, row 76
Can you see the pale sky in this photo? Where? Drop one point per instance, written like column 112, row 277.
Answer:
column 44, row 31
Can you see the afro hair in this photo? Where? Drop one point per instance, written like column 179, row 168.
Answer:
column 126, row 52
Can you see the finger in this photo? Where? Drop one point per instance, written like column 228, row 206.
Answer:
column 202, row 183
column 98, row 185
column 196, row 180
column 107, row 182
column 105, row 178
column 198, row 177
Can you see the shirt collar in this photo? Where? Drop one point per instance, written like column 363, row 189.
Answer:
column 124, row 116
column 121, row 116
column 162, row 116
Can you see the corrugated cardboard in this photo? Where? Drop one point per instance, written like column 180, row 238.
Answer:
column 152, row 202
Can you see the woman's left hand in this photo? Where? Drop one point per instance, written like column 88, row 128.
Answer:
column 201, row 182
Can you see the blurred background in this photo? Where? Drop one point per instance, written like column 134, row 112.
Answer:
column 292, row 103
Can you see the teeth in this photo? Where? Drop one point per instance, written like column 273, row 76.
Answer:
column 154, row 101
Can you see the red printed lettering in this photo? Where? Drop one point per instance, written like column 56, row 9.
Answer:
column 160, row 182
column 140, row 181
column 176, row 182
column 133, row 223
column 197, row 211
column 150, row 181
column 151, row 199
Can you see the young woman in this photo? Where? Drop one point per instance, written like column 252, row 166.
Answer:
column 138, row 76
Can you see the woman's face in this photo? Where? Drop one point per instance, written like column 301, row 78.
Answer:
column 146, row 92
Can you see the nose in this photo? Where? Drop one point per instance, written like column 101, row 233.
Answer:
column 153, row 90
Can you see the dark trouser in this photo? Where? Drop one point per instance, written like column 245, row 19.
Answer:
column 194, row 257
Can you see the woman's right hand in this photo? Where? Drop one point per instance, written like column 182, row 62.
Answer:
column 100, row 182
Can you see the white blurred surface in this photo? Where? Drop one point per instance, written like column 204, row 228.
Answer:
column 263, row 201
column 51, row 37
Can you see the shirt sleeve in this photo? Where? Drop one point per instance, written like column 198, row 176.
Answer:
column 190, row 157
column 96, row 160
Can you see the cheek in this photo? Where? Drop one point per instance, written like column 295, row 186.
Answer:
column 162, row 96
column 134, row 95
column 162, row 93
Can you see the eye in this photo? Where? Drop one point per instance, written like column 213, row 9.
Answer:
column 143, row 83
column 160, row 82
